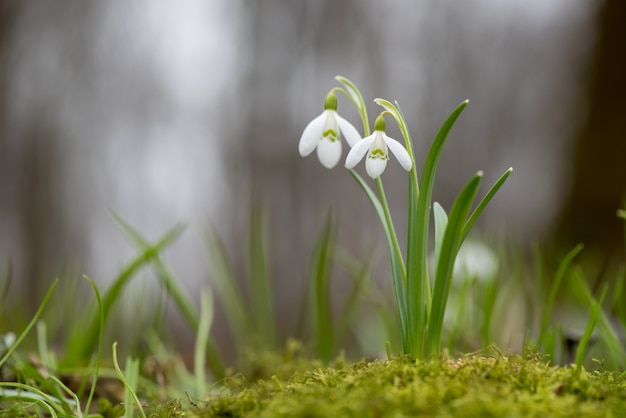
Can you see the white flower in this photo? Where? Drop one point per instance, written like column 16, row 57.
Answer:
column 324, row 133
column 377, row 147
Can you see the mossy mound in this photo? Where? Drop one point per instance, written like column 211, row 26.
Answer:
column 471, row 386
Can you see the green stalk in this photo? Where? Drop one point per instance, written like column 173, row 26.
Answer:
column 398, row 270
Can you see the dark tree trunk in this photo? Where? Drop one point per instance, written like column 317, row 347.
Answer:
column 598, row 177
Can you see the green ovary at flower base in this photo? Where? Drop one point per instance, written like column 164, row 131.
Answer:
column 377, row 147
column 324, row 134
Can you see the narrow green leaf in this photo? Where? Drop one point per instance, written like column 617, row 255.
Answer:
column 260, row 278
column 556, row 283
column 228, row 292
column 418, row 284
column 444, row 268
column 171, row 285
column 320, row 304
column 82, row 345
column 96, row 367
column 202, row 341
column 595, row 307
column 129, row 384
column 484, row 202
column 30, row 325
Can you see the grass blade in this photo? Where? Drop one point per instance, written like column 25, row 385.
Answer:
column 202, row 339
column 83, row 345
column 595, row 308
column 132, row 369
column 171, row 285
column 226, row 286
column 30, row 325
column 558, row 278
column 260, row 279
column 96, row 368
column 321, row 266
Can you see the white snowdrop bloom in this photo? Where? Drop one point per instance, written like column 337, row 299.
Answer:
column 377, row 147
column 324, row 134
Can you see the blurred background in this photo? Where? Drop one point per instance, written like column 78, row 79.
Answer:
column 166, row 111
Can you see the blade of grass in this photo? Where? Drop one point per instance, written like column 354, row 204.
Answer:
column 202, row 339
column 607, row 335
column 361, row 275
column 31, row 393
column 82, row 346
column 30, row 325
column 226, row 286
column 595, row 308
column 132, row 369
column 397, row 263
column 558, row 278
column 96, row 368
column 260, row 279
column 171, row 285
column 321, row 267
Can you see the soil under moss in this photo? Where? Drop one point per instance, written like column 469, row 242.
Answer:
column 493, row 385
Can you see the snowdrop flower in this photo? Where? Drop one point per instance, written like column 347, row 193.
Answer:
column 324, row 133
column 377, row 146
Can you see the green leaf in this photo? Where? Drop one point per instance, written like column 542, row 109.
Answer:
column 228, row 292
column 484, row 202
column 444, row 268
column 418, row 284
column 595, row 309
column 83, row 345
column 321, row 267
column 556, row 283
column 260, row 278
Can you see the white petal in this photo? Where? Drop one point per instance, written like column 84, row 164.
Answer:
column 399, row 152
column 375, row 166
column 348, row 130
column 358, row 151
column 329, row 152
column 311, row 135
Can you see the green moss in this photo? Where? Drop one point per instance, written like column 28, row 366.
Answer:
column 487, row 385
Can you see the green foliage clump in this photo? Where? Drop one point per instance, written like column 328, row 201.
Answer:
column 469, row 386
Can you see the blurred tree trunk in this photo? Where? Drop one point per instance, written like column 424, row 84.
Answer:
column 598, row 177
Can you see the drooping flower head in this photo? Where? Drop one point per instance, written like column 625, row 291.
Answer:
column 377, row 147
column 324, row 134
